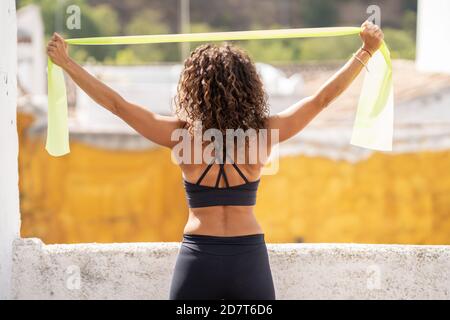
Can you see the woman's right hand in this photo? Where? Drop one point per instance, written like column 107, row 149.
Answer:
column 372, row 36
column 57, row 50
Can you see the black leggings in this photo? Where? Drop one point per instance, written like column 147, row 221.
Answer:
column 213, row 267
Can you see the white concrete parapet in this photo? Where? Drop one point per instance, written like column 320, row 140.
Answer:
column 301, row 271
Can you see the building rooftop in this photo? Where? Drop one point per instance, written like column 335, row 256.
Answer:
column 421, row 119
column 421, row 115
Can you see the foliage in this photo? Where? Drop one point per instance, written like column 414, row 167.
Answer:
column 409, row 22
column 319, row 13
column 103, row 20
column 100, row 20
column 401, row 43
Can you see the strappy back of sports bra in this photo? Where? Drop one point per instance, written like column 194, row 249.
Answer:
column 199, row 195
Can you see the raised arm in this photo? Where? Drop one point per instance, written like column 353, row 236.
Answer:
column 154, row 127
column 292, row 120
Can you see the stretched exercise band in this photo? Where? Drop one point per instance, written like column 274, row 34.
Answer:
column 373, row 125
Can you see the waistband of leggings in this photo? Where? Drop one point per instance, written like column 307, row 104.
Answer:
column 238, row 240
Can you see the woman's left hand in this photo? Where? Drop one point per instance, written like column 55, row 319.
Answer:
column 372, row 36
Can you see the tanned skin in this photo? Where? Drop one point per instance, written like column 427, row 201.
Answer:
column 218, row 220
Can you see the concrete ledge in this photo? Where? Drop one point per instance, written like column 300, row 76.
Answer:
column 301, row 271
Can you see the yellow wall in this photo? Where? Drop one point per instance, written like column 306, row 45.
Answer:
column 95, row 195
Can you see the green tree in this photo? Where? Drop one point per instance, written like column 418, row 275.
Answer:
column 319, row 13
column 201, row 28
column 333, row 48
column 150, row 22
column 269, row 50
column 125, row 56
column 101, row 20
column 409, row 22
column 401, row 43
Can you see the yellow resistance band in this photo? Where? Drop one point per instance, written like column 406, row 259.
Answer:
column 373, row 126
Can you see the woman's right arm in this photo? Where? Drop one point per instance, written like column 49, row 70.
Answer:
column 154, row 127
column 295, row 118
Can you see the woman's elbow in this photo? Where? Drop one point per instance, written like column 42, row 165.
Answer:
column 116, row 104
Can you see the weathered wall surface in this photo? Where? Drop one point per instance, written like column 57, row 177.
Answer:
column 301, row 271
column 9, row 191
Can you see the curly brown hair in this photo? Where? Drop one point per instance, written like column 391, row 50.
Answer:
column 220, row 87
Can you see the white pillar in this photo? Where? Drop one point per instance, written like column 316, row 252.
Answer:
column 433, row 29
column 9, row 190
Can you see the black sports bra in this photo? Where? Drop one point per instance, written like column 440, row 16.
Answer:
column 199, row 196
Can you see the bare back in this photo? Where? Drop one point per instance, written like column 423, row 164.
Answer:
column 225, row 220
